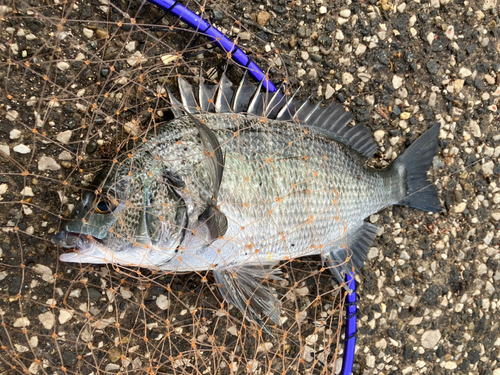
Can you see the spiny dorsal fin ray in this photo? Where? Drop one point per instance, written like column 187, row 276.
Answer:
column 256, row 106
column 238, row 285
column 225, row 94
column 289, row 109
column 188, row 98
column 206, row 95
column 177, row 108
column 243, row 95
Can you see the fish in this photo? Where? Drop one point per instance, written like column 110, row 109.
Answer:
column 240, row 180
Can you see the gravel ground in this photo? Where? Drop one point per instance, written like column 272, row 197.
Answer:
column 429, row 292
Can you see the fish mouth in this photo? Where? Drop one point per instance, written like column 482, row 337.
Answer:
column 87, row 249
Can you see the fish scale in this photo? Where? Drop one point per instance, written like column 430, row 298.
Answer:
column 236, row 193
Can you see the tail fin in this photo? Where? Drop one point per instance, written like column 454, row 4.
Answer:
column 416, row 161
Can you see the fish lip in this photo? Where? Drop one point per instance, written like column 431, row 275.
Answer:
column 71, row 240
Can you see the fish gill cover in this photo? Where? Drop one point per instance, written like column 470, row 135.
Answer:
column 86, row 85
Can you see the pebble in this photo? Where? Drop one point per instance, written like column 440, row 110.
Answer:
column 47, row 319
column 48, row 164
column 487, row 168
column 329, row 91
column 347, row 78
column 45, row 272
column 88, row 33
column 131, row 46
column 22, row 149
column 322, row 10
column 65, row 316
column 14, row 134
column 162, row 302
column 304, row 55
column 244, row 35
column 65, row 155
column 360, row 49
column 464, row 73
column 458, row 84
column 64, row 137
column 313, row 74
column 397, row 82
column 495, row 216
column 372, row 253
column 263, row 17
column 27, row 192
column 433, row 66
column 12, row 115
column 102, row 34
column 459, row 208
column 136, row 58
column 339, row 35
column 5, row 149
column 21, row 322
column 346, row 13
column 62, row 66
column 430, row 338
column 379, row 135
column 432, row 99
column 450, row 32
column 301, row 73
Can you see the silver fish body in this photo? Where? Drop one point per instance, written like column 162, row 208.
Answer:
column 236, row 193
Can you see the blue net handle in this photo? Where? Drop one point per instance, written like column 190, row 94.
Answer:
column 223, row 42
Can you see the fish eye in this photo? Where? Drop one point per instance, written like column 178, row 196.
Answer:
column 104, row 206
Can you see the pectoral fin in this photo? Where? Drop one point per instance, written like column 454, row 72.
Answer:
column 215, row 221
column 213, row 152
column 238, row 285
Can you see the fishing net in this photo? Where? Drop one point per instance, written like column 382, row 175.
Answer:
column 81, row 84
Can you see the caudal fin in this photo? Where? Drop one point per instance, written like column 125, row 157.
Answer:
column 416, row 161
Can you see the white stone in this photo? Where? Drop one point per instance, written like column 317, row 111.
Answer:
column 62, row 66
column 12, row 115
column 346, row 13
column 21, row 322
column 329, row 91
column 162, row 302
column 372, row 253
column 360, row 49
column 379, row 135
column 64, row 137
column 339, row 35
column 47, row 319
column 88, row 32
column 495, row 216
column 459, row 208
column 322, row 10
column 136, row 58
column 450, row 32
column 5, row 149
column 430, row 338
column 464, row 73
column 313, row 73
column 65, row 155
column 487, row 168
column 304, row 55
column 370, row 361
column 45, row 272
column 48, row 164
column 65, row 316
column 22, row 149
column 131, row 46
column 301, row 73
column 15, row 134
column 397, row 82
column 347, row 78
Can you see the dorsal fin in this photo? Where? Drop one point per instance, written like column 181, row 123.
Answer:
column 332, row 121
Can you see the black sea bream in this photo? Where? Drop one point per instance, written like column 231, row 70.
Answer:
column 240, row 180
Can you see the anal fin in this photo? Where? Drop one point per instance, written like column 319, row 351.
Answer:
column 239, row 286
column 341, row 260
